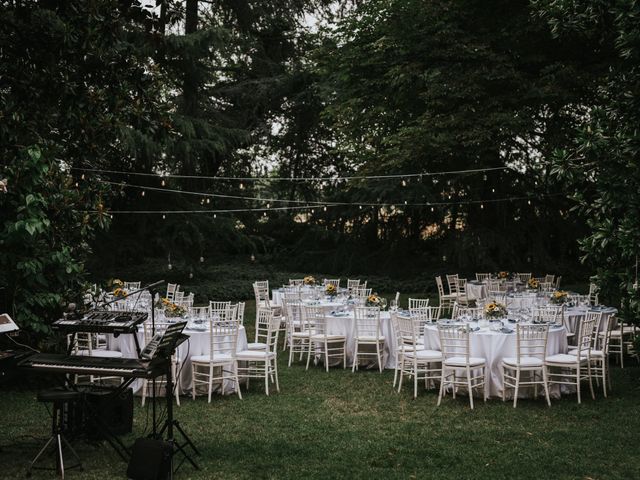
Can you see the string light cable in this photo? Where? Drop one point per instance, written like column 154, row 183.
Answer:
column 296, row 179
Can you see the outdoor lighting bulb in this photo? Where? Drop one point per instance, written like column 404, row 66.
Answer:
column 82, row 176
column 405, row 202
column 268, row 205
column 164, row 216
column 241, row 186
column 325, row 209
column 493, row 190
column 76, row 184
column 143, row 192
column 169, row 266
column 360, row 207
column 190, row 274
column 201, row 259
column 444, row 258
column 208, row 200
column 481, row 205
column 162, row 182
column 404, row 183
column 215, row 216
column 484, row 177
column 432, row 209
column 529, row 202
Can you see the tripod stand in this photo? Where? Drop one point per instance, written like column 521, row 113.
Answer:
column 171, row 423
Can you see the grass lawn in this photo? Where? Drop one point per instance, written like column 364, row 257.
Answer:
column 344, row 425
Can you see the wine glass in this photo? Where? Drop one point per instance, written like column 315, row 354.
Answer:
column 393, row 306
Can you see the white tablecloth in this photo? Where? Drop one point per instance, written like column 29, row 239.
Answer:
column 198, row 344
column 343, row 325
column 574, row 315
column 494, row 346
column 476, row 290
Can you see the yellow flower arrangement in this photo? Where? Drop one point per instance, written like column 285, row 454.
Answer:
column 495, row 310
column 330, row 289
column 503, row 275
column 173, row 310
column 559, row 297
column 533, row 283
column 120, row 293
column 117, row 283
column 373, row 300
column 309, row 280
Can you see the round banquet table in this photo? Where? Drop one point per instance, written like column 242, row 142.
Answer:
column 574, row 315
column 198, row 344
column 494, row 346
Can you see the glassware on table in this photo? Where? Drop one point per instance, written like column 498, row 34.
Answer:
column 393, row 307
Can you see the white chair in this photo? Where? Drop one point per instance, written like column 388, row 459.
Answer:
column 558, row 280
column 416, row 361
column 131, row 286
column 452, row 283
column 481, row 277
column 531, row 348
column 548, row 314
column 200, row 312
column 622, row 341
column 262, row 329
column 523, row 277
column 566, row 363
column 187, row 300
column 172, row 288
column 550, row 279
column 221, row 357
column 321, row 341
column 239, row 310
column 417, row 303
column 219, row 310
column 178, row 297
column 333, row 281
column 367, row 332
column 299, row 331
column 262, row 363
column 457, row 360
column 446, row 299
column 298, row 282
column 469, row 312
column 262, row 296
column 352, row 285
column 599, row 353
column 161, row 382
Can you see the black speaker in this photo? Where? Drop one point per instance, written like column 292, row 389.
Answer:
column 114, row 410
column 150, row 460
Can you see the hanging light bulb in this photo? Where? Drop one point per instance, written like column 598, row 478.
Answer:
column 215, row 216
column 190, row 274
column 404, row 182
column 164, row 217
column 444, row 258
column 481, row 206
column 268, row 205
column 162, row 182
column 360, row 207
column 82, row 176
column 405, row 202
column 169, row 266
column 432, row 209
column 241, row 186
column 208, row 200
column 76, row 184
column 142, row 193
column 484, row 177
column 201, row 259
column 493, row 190
column 529, row 202
column 324, row 208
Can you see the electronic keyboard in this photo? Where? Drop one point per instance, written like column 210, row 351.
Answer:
column 98, row 366
column 101, row 322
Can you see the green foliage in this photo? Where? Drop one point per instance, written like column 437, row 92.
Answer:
column 43, row 236
column 601, row 166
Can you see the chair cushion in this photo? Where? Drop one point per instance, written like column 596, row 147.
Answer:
column 100, row 353
column 594, row 353
column 218, row 358
column 330, row 338
column 462, row 361
column 563, row 358
column 300, row 334
column 425, row 355
column 367, row 338
column 254, row 355
column 524, row 361
column 257, row 346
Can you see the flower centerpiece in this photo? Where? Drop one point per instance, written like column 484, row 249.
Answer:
column 162, row 303
column 373, row 300
column 330, row 290
column 309, row 280
column 173, row 310
column 503, row 275
column 495, row 310
column 120, row 293
column 533, row 283
column 559, row 297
